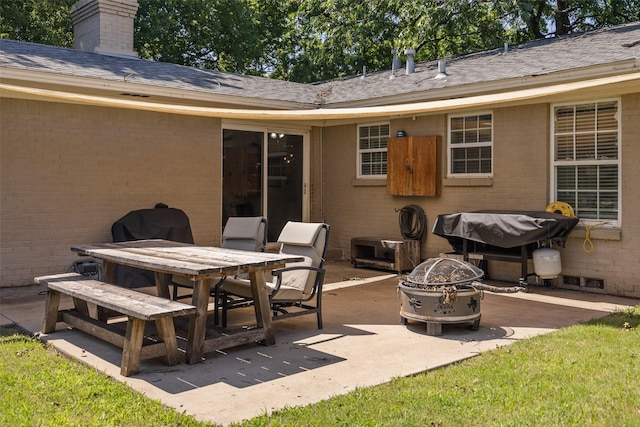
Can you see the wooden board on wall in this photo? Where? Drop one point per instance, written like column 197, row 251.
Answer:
column 413, row 166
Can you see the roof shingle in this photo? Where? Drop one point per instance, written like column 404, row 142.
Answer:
column 536, row 58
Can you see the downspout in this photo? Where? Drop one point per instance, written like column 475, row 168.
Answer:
column 321, row 183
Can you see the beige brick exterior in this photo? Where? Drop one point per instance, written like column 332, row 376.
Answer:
column 520, row 181
column 68, row 172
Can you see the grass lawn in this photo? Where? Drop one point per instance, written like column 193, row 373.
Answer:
column 584, row 375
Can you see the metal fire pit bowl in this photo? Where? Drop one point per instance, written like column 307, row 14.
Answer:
column 444, row 290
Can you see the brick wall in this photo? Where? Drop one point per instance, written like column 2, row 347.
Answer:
column 520, row 181
column 68, row 172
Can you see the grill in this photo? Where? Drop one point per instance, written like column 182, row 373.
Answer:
column 445, row 290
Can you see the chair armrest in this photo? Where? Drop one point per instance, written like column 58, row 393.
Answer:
column 278, row 274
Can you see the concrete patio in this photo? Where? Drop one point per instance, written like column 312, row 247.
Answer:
column 362, row 344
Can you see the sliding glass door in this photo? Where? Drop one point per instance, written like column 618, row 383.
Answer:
column 277, row 190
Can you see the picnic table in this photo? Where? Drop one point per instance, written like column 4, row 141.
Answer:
column 202, row 265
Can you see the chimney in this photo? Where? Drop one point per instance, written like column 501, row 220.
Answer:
column 104, row 26
column 410, row 64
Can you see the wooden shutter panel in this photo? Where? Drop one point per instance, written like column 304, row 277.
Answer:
column 413, row 166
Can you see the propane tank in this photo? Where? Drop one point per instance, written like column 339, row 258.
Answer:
column 546, row 263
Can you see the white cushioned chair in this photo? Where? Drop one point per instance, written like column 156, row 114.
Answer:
column 242, row 233
column 296, row 289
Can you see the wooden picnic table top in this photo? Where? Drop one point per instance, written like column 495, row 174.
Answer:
column 182, row 258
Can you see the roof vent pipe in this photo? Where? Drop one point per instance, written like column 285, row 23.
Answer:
column 396, row 63
column 410, row 64
column 442, row 70
column 506, row 48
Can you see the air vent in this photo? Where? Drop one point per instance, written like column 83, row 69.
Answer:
column 571, row 281
column 591, row 283
column 135, row 95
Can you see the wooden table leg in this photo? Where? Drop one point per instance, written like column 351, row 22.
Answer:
column 162, row 284
column 108, row 272
column 109, row 276
column 262, row 305
column 198, row 322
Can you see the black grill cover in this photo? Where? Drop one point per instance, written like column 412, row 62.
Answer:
column 503, row 229
column 159, row 223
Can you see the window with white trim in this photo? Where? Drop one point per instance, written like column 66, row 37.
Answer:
column 586, row 159
column 471, row 145
column 372, row 150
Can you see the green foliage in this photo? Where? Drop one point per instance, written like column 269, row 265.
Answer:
column 216, row 34
column 314, row 40
column 38, row 21
column 533, row 19
column 328, row 39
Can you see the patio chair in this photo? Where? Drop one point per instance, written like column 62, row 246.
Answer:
column 295, row 289
column 242, row 233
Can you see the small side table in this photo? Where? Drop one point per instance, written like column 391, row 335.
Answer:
column 387, row 254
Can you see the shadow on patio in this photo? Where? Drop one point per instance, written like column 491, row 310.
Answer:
column 363, row 343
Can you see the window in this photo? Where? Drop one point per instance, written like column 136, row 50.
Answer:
column 471, row 145
column 372, row 150
column 586, row 162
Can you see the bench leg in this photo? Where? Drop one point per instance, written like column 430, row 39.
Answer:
column 167, row 333
column 51, row 312
column 132, row 347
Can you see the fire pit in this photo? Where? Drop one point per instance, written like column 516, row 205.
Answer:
column 444, row 290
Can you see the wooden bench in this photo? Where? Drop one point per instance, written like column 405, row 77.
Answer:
column 137, row 306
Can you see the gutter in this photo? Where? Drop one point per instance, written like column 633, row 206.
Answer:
column 112, row 88
column 625, row 82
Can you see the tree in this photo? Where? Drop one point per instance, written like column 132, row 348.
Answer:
column 38, row 21
column 216, row 34
column 534, row 19
column 443, row 28
column 333, row 38
column 330, row 38
column 313, row 40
